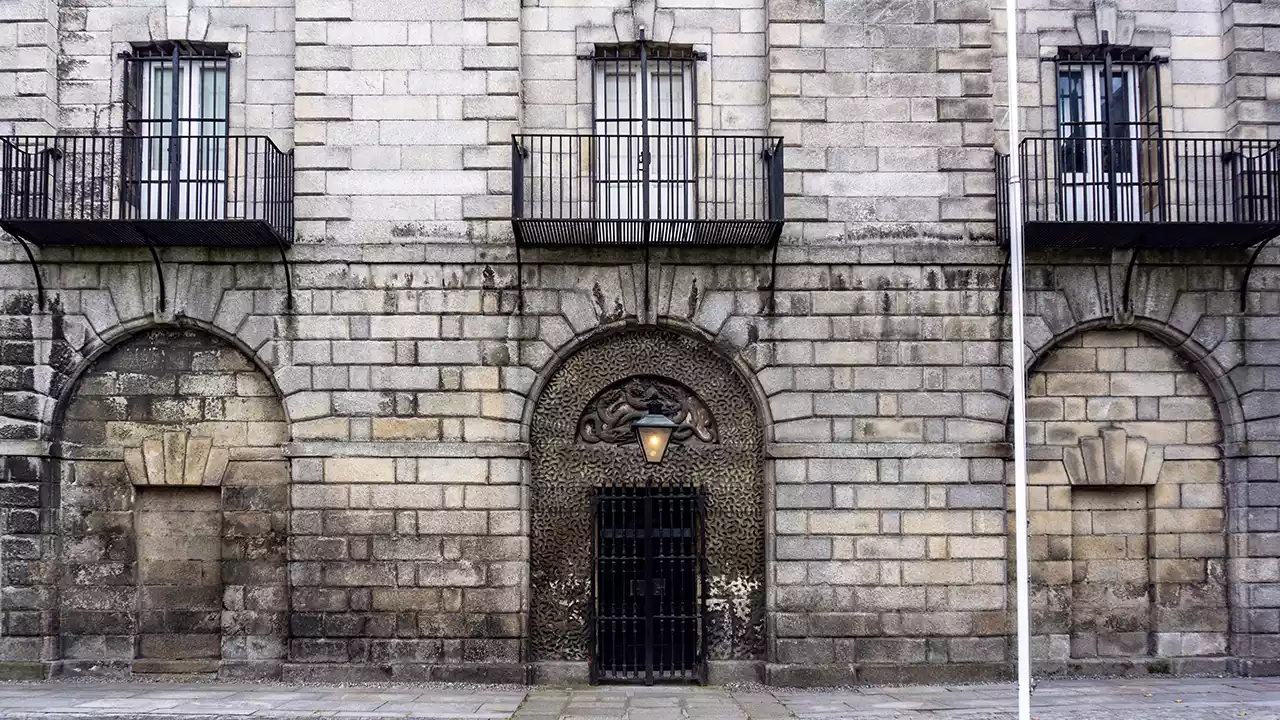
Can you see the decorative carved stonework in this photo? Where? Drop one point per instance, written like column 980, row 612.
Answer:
column 608, row 417
column 1113, row 458
column 176, row 458
column 568, row 467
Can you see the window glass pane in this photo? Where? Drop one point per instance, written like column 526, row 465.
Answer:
column 1118, row 104
column 161, row 93
column 1071, row 120
column 213, row 91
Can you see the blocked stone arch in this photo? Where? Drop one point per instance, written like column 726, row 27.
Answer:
column 564, row 469
column 170, row 523
column 1131, row 483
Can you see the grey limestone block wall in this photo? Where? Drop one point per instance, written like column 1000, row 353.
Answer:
column 388, row 489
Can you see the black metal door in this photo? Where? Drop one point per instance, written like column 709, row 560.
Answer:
column 648, row 585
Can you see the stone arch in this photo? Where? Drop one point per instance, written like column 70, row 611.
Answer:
column 724, row 348
column 172, row 518
column 1203, row 361
column 1128, row 504
column 565, row 469
column 100, row 345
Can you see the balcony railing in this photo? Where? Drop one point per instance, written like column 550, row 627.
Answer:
column 675, row 190
column 219, row 191
column 1144, row 193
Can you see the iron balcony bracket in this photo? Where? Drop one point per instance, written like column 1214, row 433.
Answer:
column 773, row 279
column 1004, row 283
column 1248, row 271
column 35, row 269
column 155, row 258
column 288, row 277
column 1126, row 302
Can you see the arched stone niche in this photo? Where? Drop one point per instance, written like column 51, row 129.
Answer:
column 1127, row 502
column 173, row 512
column 579, row 442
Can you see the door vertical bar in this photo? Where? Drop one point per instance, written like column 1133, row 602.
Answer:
column 647, row 543
column 700, row 543
column 593, row 622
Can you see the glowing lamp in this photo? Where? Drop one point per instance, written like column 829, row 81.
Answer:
column 653, row 432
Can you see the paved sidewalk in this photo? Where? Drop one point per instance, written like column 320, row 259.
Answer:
column 1181, row 699
column 163, row 701
column 665, row 702
column 1085, row 699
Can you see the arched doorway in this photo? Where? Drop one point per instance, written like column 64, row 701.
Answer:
column 1128, row 509
column 589, row 503
column 173, row 512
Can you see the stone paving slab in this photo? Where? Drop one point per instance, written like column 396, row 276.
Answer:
column 184, row 701
column 1091, row 699
column 1083, row 699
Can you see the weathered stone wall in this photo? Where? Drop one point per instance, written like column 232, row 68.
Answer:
column 408, row 374
column 404, row 117
column 29, row 48
column 887, row 113
column 1203, row 65
column 1128, row 498
column 90, row 78
column 173, row 512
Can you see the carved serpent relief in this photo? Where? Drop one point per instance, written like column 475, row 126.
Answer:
column 609, row 415
column 580, row 440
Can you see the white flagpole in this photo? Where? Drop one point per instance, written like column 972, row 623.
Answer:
column 1019, row 370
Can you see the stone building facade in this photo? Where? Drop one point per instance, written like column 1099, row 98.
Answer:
column 371, row 454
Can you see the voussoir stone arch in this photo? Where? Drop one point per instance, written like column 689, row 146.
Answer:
column 172, row 509
column 79, row 358
column 1199, row 359
column 1129, row 490
column 726, row 350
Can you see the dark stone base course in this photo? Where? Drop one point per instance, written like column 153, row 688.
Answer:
column 785, row 675
column 18, row 670
column 1135, row 667
column 176, row 670
column 1255, row 667
column 500, row 673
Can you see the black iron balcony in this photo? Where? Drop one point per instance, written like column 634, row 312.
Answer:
column 147, row 191
column 216, row 191
column 641, row 190
column 1137, row 193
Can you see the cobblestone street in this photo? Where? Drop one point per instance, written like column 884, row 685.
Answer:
column 1189, row 699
